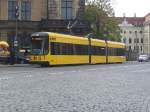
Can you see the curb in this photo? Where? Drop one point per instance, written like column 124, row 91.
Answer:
column 15, row 65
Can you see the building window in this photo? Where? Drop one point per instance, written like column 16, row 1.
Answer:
column 137, row 48
column 141, row 32
column 66, row 9
column 3, row 36
column 53, row 9
column 141, row 40
column 134, row 48
column 141, row 48
column 130, row 40
column 137, row 40
column 130, row 48
column 130, row 32
column 11, row 9
column 124, row 32
column 26, row 10
column 124, row 40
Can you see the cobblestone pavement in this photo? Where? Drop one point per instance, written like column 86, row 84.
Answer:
column 87, row 88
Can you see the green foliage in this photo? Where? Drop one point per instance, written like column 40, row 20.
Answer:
column 99, row 13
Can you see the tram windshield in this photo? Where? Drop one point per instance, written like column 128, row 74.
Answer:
column 39, row 45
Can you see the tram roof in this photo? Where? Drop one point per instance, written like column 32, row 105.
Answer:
column 115, row 44
column 67, row 36
column 94, row 41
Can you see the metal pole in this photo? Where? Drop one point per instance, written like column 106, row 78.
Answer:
column 15, row 41
column 16, row 35
column 106, row 49
column 89, row 47
column 16, row 29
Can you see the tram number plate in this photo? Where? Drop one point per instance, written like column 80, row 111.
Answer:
column 53, row 39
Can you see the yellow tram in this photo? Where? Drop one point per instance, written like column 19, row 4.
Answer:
column 60, row 49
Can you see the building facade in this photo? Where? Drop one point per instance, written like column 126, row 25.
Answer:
column 61, row 9
column 132, row 34
column 28, row 9
column 147, row 34
column 39, row 15
column 58, row 14
column 135, row 32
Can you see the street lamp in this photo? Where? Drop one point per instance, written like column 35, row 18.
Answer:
column 106, row 41
column 89, row 36
column 16, row 15
column 13, row 50
column 16, row 34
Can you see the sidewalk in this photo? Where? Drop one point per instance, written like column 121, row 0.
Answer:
column 131, row 62
column 15, row 65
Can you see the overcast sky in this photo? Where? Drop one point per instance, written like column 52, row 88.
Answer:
column 129, row 7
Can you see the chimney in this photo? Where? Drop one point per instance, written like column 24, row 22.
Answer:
column 135, row 15
column 124, row 15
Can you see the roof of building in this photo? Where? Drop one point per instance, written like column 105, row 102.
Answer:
column 147, row 15
column 131, row 20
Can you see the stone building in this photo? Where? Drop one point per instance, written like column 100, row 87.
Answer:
column 147, row 34
column 30, row 13
column 40, row 15
column 61, row 9
column 135, row 32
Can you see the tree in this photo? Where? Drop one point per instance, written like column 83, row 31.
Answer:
column 99, row 13
column 113, row 30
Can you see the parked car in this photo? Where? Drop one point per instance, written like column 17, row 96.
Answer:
column 143, row 57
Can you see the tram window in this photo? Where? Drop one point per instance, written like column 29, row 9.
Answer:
column 109, row 52
column 112, row 51
column 68, row 49
column 55, row 48
column 39, row 46
column 62, row 49
column 80, row 49
column 120, row 52
column 116, row 52
column 96, row 50
column 74, row 50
